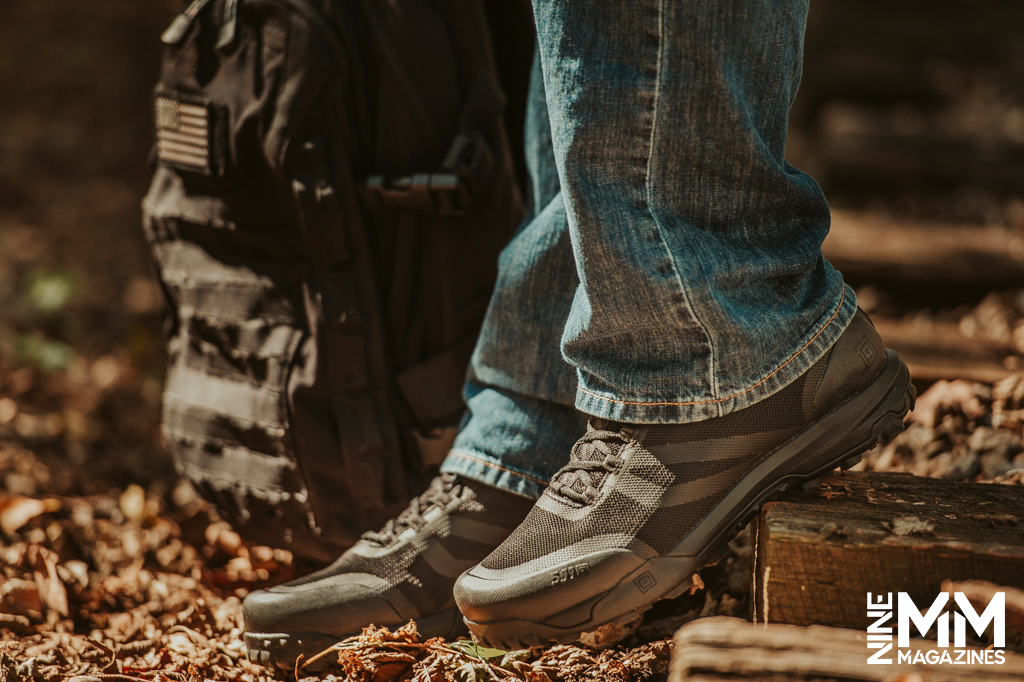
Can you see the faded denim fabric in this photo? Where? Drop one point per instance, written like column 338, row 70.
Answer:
column 673, row 270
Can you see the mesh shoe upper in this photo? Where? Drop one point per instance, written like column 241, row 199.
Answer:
column 644, row 488
column 404, row 571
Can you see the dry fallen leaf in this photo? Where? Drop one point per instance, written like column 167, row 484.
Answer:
column 16, row 511
column 698, row 584
column 21, row 598
column 133, row 502
column 951, row 397
column 51, row 590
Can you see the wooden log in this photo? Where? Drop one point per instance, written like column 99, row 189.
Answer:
column 873, row 249
column 936, row 349
column 817, row 554
column 713, row 649
column 873, row 156
column 929, row 256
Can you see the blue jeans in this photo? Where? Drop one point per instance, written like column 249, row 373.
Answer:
column 670, row 269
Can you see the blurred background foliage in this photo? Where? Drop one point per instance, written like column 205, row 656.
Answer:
column 909, row 111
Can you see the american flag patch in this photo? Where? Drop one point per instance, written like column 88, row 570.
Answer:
column 186, row 134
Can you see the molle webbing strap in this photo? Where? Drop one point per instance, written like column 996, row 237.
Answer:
column 343, row 349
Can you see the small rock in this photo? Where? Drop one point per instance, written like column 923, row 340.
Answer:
column 994, row 464
column 133, row 502
column 952, row 466
column 996, row 448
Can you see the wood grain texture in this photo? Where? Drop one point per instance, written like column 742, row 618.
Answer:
column 818, row 554
column 714, row 649
column 881, row 250
column 936, row 349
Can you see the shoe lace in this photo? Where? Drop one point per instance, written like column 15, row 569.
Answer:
column 443, row 491
column 597, row 452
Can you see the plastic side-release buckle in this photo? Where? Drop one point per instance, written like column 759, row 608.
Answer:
column 442, row 193
column 226, row 35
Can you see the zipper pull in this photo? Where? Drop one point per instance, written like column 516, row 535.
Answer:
column 176, row 31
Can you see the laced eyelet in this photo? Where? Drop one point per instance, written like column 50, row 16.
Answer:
column 412, row 516
column 578, row 466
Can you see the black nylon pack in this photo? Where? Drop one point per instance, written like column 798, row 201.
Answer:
column 333, row 186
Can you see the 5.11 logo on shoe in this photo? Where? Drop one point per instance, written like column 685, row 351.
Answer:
column 905, row 612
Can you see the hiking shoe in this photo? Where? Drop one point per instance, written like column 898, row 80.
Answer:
column 641, row 508
column 403, row 572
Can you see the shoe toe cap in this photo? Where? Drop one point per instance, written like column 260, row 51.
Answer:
column 484, row 595
column 341, row 606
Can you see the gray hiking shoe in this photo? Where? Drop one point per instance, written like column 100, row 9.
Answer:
column 403, row 572
column 640, row 509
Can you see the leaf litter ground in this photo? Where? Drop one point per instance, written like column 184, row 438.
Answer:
column 102, row 577
column 139, row 584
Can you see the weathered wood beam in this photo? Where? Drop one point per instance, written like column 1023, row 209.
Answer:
column 876, row 249
column 925, row 256
column 936, row 349
column 818, row 554
column 719, row 649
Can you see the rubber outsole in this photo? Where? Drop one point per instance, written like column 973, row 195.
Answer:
column 282, row 649
column 848, row 431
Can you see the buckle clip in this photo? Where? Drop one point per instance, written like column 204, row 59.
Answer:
column 443, row 193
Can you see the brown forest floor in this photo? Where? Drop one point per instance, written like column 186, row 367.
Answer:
column 112, row 568
column 145, row 584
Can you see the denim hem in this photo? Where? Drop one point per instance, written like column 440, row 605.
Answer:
column 812, row 347
column 485, row 469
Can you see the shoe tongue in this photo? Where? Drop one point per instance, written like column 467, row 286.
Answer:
column 598, row 424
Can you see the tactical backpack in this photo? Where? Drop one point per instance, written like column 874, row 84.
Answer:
column 332, row 187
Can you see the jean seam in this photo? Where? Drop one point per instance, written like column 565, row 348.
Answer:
column 712, row 377
column 497, row 466
column 734, row 395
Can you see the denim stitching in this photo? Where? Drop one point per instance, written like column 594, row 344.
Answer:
column 712, row 377
column 734, row 395
column 497, row 466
